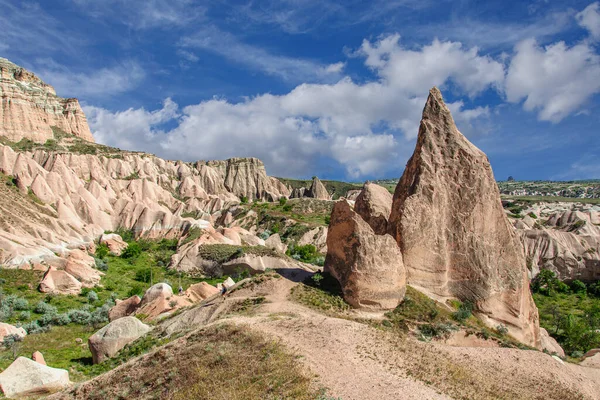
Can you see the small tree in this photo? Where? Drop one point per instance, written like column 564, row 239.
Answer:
column 578, row 287
column 12, row 342
column 282, row 201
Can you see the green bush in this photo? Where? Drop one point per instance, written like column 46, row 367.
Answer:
column 80, row 317
column 61, row 319
column 143, row 275
column 244, row 200
column 92, row 296
column 34, row 327
column 102, row 251
column 465, row 310
column 282, row 201
column 132, row 251
column 578, row 287
column 44, row 308
column 136, row 290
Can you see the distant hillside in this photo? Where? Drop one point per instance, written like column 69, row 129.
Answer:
column 337, row 188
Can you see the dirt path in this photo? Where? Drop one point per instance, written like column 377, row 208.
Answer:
column 356, row 361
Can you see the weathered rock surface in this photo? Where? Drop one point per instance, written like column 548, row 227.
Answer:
column 59, row 282
column 159, row 299
column 448, row 220
column 80, row 266
column 550, row 344
column 115, row 243
column 123, row 308
column 38, row 358
column 29, row 107
column 274, row 242
column 317, row 237
column 255, row 264
column 368, row 266
column 8, row 329
column 591, row 359
column 374, row 204
column 200, row 291
column 25, row 377
column 317, row 190
column 109, row 340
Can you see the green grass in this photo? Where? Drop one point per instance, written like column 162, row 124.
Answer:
column 224, row 252
column 310, row 212
column 324, row 295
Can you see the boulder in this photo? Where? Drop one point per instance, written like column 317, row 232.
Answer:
column 274, row 242
column 252, row 240
column 80, row 266
column 109, row 340
column 591, row 359
column 456, row 240
column 374, row 204
column 8, row 329
column 159, row 299
column 228, row 282
column 59, row 282
column 317, row 237
column 38, row 358
column 550, row 344
column 116, row 244
column 200, row 291
column 123, row 308
column 25, row 377
column 368, row 266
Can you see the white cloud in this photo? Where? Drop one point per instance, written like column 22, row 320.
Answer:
column 555, row 80
column 93, row 84
column 368, row 128
column 589, row 19
column 288, row 68
column 417, row 70
column 150, row 14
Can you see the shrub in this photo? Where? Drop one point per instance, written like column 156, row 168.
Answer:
column 172, row 303
column 578, row 287
column 16, row 303
column 101, row 264
column 532, row 215
column 11, row 342
column 33, row 328
column 80, row 317
column 464, row 311
column 132, row 251
column 317, row 278
column 287, row 208
column 264, row 235
column 92, row 296
column 502, row 329
column 143, row 275
column 44, row 308
column 282, row 201
column 24, row 315
column 61, row 319
column 439, row 330
column 135, row 290
column 46, row 320
column 327, row 219
column 6, row 312
column 244, row 200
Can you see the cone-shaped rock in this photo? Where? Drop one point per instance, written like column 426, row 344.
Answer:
column 318, row 190
column 368, row 266
column 448, row 220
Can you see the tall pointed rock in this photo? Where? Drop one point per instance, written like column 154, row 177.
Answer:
column 448, row 220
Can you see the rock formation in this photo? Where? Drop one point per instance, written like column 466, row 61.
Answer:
column 109, row 340
column 30, row 107
column 200, row 291
column 374, row 204
column 59, row 282
column 8, row 329
column 448, row 220
column 123, row 308
column 38, row 358
column 317, row 190
column 591, row 359
column 25, row 378
column 115, row 243
column 368, row 266
column 550, row 344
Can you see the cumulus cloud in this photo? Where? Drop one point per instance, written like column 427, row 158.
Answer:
column 368, row 128
column 555, row 80
column 589, row 19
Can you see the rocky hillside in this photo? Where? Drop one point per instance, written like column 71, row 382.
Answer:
column 29, row 108
column 573, row 189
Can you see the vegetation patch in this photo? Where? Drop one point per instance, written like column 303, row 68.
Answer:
column 321, row 292
column 222, row 253
column 225, row 361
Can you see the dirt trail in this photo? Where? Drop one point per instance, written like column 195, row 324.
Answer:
column 356, row 361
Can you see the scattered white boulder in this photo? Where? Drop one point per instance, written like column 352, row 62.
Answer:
column 109, row 340
column 25, row 377
column 8, row 329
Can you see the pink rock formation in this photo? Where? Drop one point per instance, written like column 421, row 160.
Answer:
column 59, row 282
column 116, row 244
column 374, row 204
column 8, row 329
column 38, row 358
column 200, row 291
column 456, row 241
column 368, row 266
column 30, row 107
column 123, row 308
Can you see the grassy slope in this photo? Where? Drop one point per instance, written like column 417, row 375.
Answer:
column 223, row 362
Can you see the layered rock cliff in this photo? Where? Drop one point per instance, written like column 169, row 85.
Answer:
column 29, row 108
column 455, row 238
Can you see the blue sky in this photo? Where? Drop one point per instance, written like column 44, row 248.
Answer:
column 325, row 88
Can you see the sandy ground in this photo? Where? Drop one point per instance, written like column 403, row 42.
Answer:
column 356, row 361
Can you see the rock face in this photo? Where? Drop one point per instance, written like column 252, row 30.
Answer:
column 550, row 344
column 29, row 107
column 59, row 282
column 25, row 377
column 113, row 337
column 115, row 243
column 123, row 308
column 448, row 220
column 38, row 358
column 368, row 266
column 200, row 291
column 317, row 190
column 591, row 359
column 374, row 204
column 8, row 329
